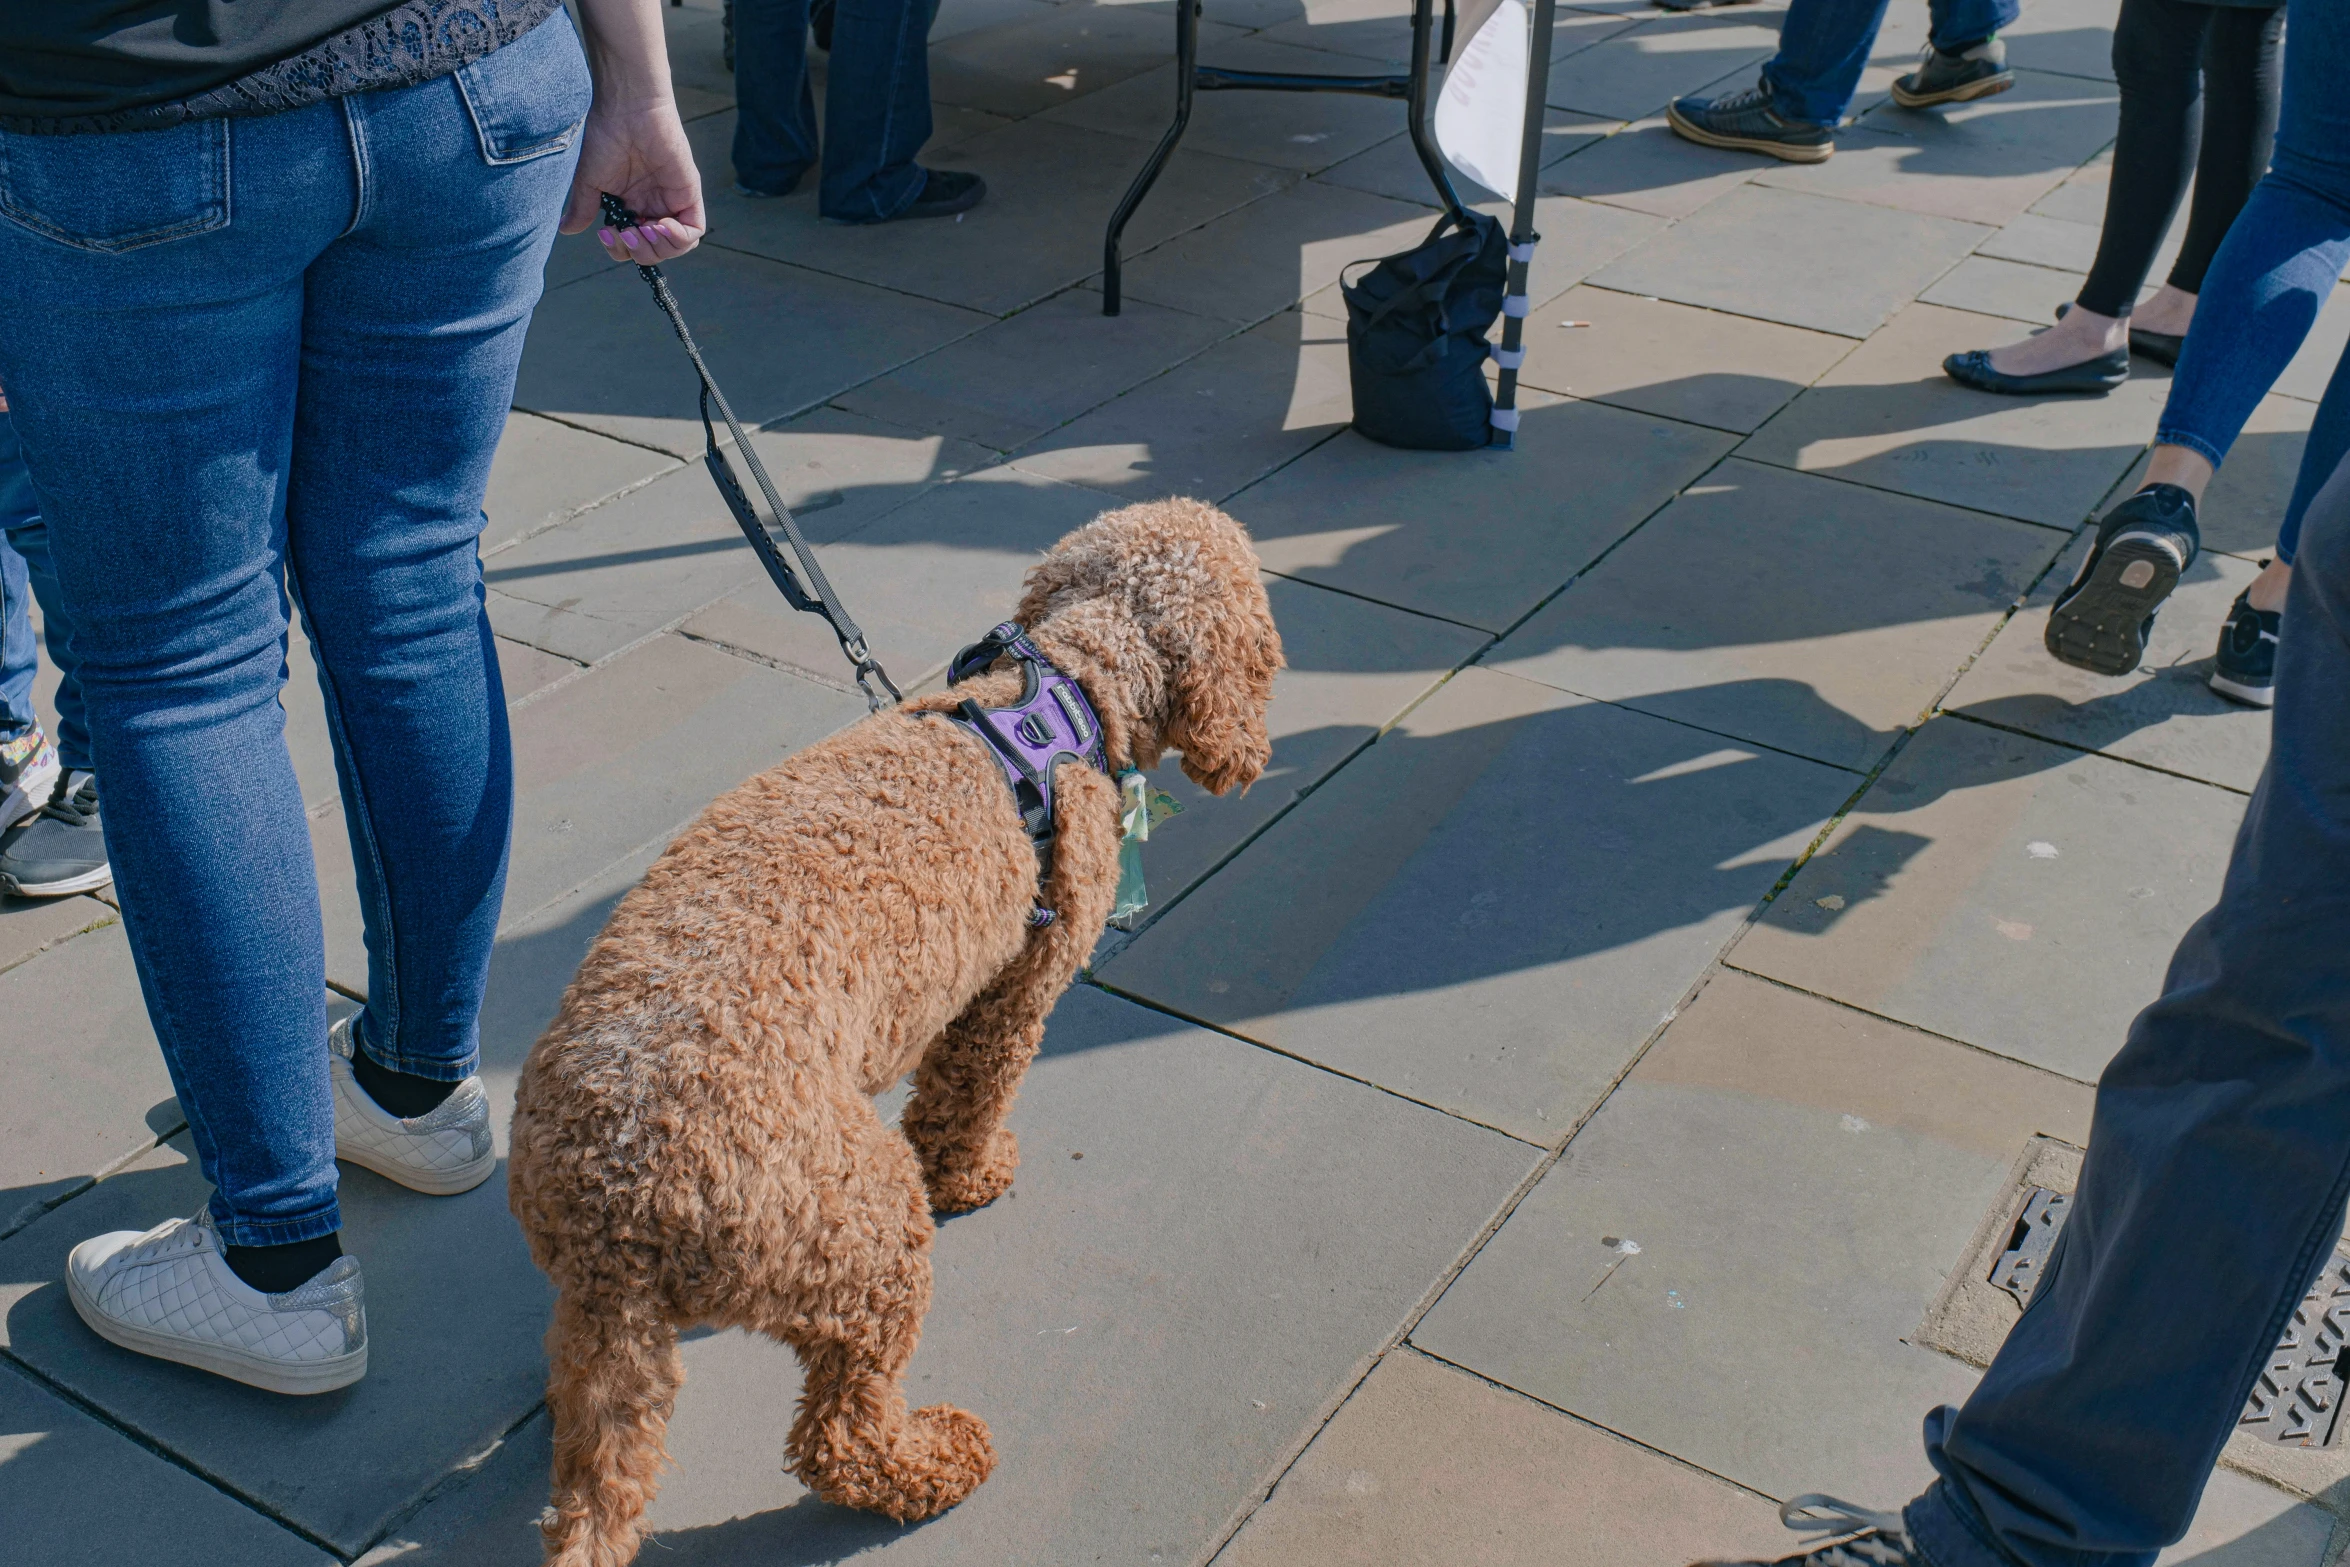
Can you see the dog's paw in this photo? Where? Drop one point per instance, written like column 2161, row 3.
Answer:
column 932, row 1461
column 960, row 1188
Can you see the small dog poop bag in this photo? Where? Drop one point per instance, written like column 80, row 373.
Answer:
column 1415, row 336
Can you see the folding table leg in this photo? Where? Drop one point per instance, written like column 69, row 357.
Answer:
column 1186, row 76
column 1417, row 107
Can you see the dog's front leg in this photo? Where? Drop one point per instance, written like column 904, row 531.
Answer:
column 965, row 1082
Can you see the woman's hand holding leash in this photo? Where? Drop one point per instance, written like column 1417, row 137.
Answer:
column 634, row 144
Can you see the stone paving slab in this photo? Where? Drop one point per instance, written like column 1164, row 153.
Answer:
column 1140, row 1328
column 453, row 1351
column 1354, row 667
column 618, row 574
column 32, row 925
column 2070, row 36
column 629, row 753
column 1999, row 890
column 1983, row 162
column 1796, row 1177
column 1429, row 1464
column 1301, row 131
column 1478, row 537
column 151, row 1510
column 924, row 581
column 546, row 472
column 1646, row 167
column 82, row 1084
column 1639, row 71
column 1036, row 370
column 1888, row 417
column 1699, row 366
column 1050, row 189
column 1266, row 256
column 1477, row 912
column 1024, row 68
column 1784, row 609
column 1213, row 425
column 1991, row 287
column 1810, row 261
column 2164, row 715
column 2070, row 243
column 601, row 354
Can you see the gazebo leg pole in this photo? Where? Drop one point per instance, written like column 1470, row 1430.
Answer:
column 1512, row 352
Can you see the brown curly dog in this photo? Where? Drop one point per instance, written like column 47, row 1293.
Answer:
column 695, row 1140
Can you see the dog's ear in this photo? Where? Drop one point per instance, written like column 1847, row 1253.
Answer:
column 1224, row 680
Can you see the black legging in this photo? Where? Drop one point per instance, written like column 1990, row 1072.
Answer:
column 2164, row 52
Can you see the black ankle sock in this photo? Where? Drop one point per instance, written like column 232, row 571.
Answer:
column 402, row 1093
column 275, row 1269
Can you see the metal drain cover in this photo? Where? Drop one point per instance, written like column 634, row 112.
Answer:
column 2018, row 1269
column 2298, row 1400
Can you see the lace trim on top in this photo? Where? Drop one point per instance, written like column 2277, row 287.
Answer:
column 415, row 41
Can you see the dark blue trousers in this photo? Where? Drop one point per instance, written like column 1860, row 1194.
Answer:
column 2218, row 1166
column 876, row 103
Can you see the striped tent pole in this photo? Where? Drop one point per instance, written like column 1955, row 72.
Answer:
column 1512, row 352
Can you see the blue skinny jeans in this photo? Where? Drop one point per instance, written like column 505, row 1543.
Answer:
column 1824, row 46
column 876, row 103
column 257, row 365
column 26, row 578
column 2275, row 271
column 2218, row 1166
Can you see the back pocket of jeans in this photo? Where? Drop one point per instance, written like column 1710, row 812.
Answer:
column 118, row 191
column 528, row 98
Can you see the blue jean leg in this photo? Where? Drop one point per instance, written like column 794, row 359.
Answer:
column 28, row 539
column 1824, row 46
column 876, row 103
column 2218, row 1166
column 2275, row 271
column 305, row 382
column 20, row 650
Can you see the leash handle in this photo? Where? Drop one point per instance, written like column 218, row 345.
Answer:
column 817, row 597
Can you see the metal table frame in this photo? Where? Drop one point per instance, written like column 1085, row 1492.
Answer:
column 1191, row 77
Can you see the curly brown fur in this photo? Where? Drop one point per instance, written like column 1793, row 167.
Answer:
column 694, row 1136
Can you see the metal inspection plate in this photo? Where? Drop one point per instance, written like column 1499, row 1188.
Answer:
column 2291, row 1432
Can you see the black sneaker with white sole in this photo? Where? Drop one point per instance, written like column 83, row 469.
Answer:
column 2143, row 547
column 2246, row 669
column 60, row 851
column 1959, row 76
column 1747, row 121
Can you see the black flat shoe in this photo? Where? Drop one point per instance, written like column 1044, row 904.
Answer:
column 2144, row 546
column 2095, row 376
column 2161, row 347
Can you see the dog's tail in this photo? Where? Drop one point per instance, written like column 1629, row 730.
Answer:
column 613, row 1374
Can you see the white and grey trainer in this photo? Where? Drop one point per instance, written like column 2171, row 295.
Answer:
column 169, row 1293
column 442, row 1152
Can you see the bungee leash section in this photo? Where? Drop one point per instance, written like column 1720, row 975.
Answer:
column 817, row 598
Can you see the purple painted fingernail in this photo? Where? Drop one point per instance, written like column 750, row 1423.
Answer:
column 630, row 239
column 607, row 236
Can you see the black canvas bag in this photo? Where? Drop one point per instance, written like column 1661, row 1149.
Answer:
column 1415, row 336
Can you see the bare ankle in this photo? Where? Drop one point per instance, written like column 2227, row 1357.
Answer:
column 2267, row 593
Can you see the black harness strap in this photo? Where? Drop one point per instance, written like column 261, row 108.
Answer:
column 817, row 598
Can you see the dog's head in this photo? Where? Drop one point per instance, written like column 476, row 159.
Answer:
column 1165, row 600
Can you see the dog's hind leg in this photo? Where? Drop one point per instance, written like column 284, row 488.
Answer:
column 613, row 1374
column 965, row 1083
column 852, row 1307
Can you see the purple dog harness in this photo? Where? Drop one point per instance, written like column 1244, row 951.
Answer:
column 1052, row 723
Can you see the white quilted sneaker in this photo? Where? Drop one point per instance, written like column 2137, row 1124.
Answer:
column 443, row 1152
column 169, row 1293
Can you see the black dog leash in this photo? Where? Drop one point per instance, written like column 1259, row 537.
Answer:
column 880, row 691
